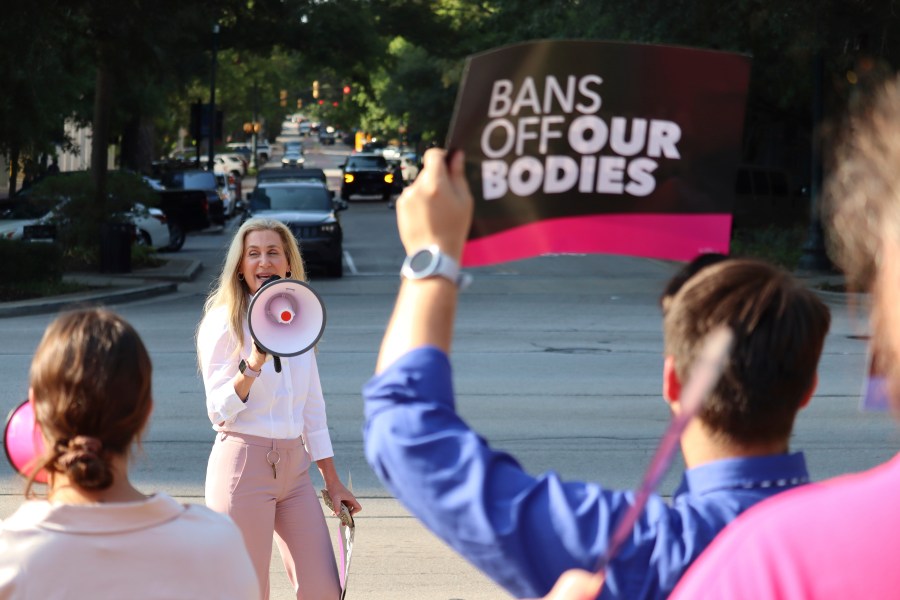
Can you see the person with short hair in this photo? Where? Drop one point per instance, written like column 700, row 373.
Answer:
column 525, row 531
column 95, row 535
column 835, row 539
column 270, row 426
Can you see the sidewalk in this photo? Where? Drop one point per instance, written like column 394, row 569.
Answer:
column 111, row 288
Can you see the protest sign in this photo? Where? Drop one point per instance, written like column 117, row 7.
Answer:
column 584, row 146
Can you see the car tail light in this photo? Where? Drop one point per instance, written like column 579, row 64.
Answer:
column 231, row 180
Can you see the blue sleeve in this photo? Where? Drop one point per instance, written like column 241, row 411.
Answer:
column 521, row 531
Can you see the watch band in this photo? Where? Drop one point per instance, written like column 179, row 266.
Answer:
column 432, row 262
column 245, row 369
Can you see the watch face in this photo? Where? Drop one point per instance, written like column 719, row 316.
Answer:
column 421, row 261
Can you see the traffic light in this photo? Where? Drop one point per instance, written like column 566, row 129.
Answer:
column 315, row 89
column 334, row 103
column 346, row 89
column 299, row 103
column 282, row 97
column 321, row 102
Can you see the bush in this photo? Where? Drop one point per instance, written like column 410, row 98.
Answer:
column 780, row 245
column 77, row 214
column 22, row 262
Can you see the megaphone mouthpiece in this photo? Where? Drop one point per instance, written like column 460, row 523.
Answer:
column 282, row 309
column 286, row 317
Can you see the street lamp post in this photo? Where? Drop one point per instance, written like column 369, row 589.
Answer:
column 253, row 161
column 212, row 99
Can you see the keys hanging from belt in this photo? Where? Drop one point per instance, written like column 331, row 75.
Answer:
column 273, row 458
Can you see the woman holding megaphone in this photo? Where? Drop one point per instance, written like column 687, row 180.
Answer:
column 95, row 535
column 270, row 424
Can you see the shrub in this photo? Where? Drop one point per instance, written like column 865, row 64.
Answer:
column 77, row 214
column 30, row 262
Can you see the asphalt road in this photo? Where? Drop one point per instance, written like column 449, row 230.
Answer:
column 557, row 360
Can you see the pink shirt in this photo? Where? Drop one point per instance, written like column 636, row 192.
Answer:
column 837, row 539
column 156, row 549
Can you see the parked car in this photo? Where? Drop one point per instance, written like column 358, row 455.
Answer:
column 232, row 162
column 214, row 187
column 152, row 227
column 186, row 211
column 246, row 148
column 367, row 173
column 23, row 218
column 310, row 210
column 15, row 214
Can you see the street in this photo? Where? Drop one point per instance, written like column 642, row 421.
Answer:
column 557, row 360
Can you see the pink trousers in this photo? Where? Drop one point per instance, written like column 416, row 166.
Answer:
column 241, row 484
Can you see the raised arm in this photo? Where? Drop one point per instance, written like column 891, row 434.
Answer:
column 435, row 210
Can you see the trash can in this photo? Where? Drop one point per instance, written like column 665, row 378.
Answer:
column 115, row 247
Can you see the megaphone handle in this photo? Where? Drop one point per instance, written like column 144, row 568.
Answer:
column 277, row 360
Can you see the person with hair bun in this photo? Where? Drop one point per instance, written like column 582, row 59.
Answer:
column 95, row 535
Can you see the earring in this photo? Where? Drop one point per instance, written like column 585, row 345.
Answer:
column 240, row 276
column 287, row 275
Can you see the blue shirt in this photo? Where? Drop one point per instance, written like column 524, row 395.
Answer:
column 524, row 531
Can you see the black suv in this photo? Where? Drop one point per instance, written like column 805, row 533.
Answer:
column 309, row 209
column 367, row 173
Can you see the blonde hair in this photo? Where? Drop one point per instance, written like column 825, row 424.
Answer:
column 231, row 292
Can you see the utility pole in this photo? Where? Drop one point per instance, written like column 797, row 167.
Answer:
column 212, row 99
column 253, row 161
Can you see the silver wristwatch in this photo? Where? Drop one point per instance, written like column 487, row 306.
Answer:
column 431, row 262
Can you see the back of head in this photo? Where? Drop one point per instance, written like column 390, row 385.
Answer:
column 779, row 328
column 91, row 384
column 700, row 262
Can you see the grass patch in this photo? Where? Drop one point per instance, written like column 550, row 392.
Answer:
column 27, row 290
column 780, row 245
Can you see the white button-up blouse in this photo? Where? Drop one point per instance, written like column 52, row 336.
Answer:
column 282, row 405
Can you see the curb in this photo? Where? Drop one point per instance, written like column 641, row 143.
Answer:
column 115, row 288
column 107, row 296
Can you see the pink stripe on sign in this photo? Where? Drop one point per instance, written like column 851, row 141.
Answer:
column 669, row 236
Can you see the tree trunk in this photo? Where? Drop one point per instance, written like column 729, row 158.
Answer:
column 101, row 125
column 137, row 145
column 13, row 169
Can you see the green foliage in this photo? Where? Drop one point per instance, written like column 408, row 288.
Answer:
column 144, row 257
column 402, row 58
column 78, row 216
column 782, row 246
column 29, row 262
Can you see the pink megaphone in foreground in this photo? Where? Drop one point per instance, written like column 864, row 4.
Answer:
column 23, row 442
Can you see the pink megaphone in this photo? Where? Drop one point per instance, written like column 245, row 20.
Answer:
column 23, row 442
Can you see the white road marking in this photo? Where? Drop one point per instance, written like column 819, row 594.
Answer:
column 350, row 264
